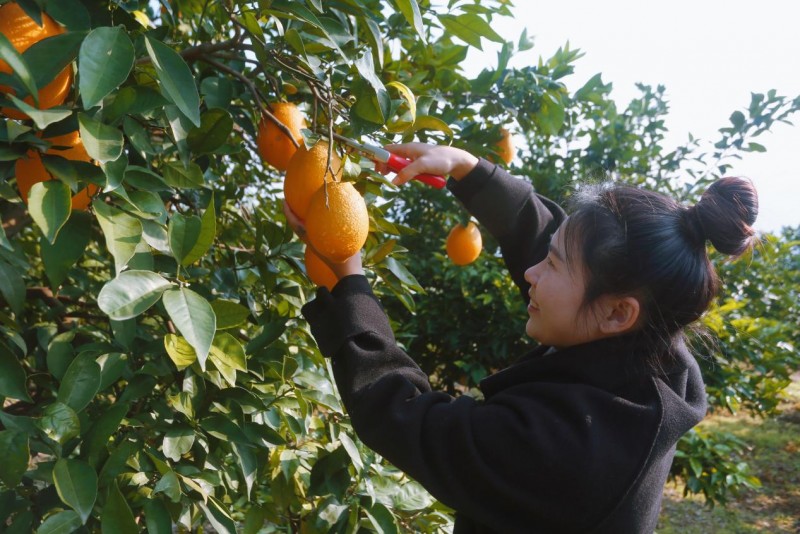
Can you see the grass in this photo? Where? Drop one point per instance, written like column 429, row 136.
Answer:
column 775, row 507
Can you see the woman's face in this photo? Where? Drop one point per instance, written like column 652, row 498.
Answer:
column 555, row 313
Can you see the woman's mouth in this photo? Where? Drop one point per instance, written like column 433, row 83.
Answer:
column 532, row 307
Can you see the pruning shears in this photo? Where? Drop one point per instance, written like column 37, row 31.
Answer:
column 393, row 162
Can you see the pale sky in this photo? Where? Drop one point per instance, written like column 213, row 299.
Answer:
column 710, row 55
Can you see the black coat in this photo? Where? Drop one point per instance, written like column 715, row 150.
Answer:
column 577, row 440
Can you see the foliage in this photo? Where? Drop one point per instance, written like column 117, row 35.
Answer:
column 154, row 367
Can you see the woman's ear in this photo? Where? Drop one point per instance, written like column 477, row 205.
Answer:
column 618, row 315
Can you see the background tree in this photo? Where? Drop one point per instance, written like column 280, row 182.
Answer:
column 154, row 367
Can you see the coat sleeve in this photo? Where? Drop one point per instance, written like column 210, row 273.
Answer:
column 496, row 461
column 521, row 220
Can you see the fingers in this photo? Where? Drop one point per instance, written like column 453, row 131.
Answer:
column 295, row 222
column 410, row 150
column 414, row 168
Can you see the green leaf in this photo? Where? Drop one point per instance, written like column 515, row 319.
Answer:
column 12, row 374
column 218, row 516
column 194, row 318
column 169, row 485
column 183, row 177
column 470, row 27
column 408, row 96
column 215, row 127
column 50, row 204
column 60, row 423
column 42, row 118
column 80, row 383
column 122, row 232
column 60, row 256
column 76, row 484
column 16, row 453
column 179, row 350
column 217, row 92
column 4, row 242
column 177, row 80
column 229, row 314
column 248, row 465
column 183, row 233
column 60, row 354
column 48, row 57
column 104, row 62
column 427, row 122
column 156, row 516
column 63, row 522
column 12, row 287
column 117, row 516
column 228, row 356
column 18, row 66
column 115, row 172
column 71, row 13
column 103, row 143
column 95, row 442
column 410, row 10
column 131, row 293
column 208, row 231
column 381, row 518
column 177, row 442
column 221, row 427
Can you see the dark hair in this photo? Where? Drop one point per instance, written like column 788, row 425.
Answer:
column 645, row 244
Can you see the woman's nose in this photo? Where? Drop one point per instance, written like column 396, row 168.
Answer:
column 531, row 275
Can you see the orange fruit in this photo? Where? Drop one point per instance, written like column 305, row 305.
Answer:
column 31, row 170
column 318, row 271
column 505, row 146
column 23, row 32
column 307, row 171
column 274, row 146
column 339, row 229
column 464, row 243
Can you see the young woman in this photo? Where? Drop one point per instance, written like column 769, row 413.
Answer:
column 579, row 434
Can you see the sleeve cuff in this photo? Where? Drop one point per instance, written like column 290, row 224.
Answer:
column 350, row 309
column 473, row 181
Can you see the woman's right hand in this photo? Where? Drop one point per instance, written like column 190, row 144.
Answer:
column 432, row 159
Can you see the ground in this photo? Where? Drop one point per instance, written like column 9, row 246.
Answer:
column 775, row 508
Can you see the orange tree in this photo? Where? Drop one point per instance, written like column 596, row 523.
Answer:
column 154, row 368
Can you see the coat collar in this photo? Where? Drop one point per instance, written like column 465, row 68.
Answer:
column 607, row 363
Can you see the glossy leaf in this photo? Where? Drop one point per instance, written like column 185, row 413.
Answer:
column 12, row 287
column 157, row 519
column 63, row 522
column 50, row 205
column 80, row 383
column 177, row 81
column 131, row 293
column 117, row 516
column 194, row 318
column 76, row 483
column 122, row 233
column 60, row 422
column 215, row 127
column 61, row 255
column 229, row 314
column 48, row 57
column 105, row 60
column 42, row 118
column 183, row 233
column 410, row 10
column 177, row 442
column 18, row 66
column 205, row 238
column 103, row 143
column 16, row 452
column 12, row 375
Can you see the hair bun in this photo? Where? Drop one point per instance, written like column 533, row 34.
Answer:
column 725, row 215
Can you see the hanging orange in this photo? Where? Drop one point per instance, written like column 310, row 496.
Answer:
column 337, row 224
column 31, row 170
column 318, row 271
column 464, row 244
column 22, row 31
column 307, row 171
column 274, row 146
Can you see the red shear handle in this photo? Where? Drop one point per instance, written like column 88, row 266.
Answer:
column 397, row 163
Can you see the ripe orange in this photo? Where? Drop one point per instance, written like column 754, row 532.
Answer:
column 505, row 146
column 306, row 173
column 274, row 146
column 464, row 244
column 340, row 229
column 23, row 32
column 318, row 271
column 31, row 170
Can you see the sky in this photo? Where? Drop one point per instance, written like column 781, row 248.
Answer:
column 709, row 54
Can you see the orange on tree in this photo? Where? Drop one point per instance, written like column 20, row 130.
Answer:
column 337, row 224
column 22, row 31
column 30, row 170
column 274, row 146
column 318, row 271
column 505, row 146
column 307, row 171
column 464, row 243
